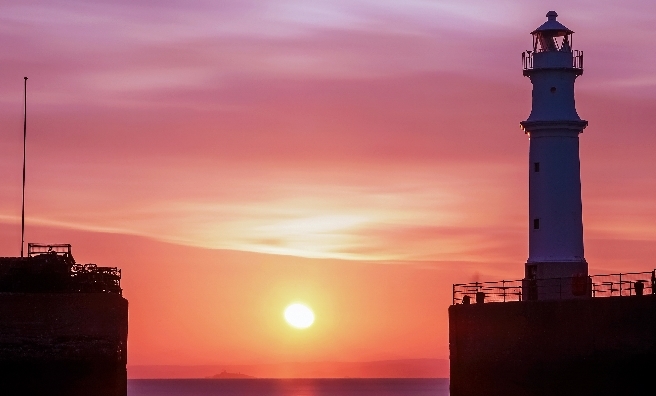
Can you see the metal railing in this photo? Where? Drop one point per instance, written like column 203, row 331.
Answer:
column 577, row 60
column 527, row 60
column 34, row 249
column 624, row 284
column 608, row 285
column 503, row 291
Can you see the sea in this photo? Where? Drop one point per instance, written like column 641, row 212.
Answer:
column 290, row 387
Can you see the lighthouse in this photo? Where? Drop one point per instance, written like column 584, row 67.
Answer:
column 559, row 331
column 556, row 266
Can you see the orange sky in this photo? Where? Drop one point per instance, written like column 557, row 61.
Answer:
column 235, row 156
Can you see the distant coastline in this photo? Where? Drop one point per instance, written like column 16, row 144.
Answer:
column 226, row 375
column 402, row 368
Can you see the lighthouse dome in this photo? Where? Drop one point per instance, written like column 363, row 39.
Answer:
column 552, row 26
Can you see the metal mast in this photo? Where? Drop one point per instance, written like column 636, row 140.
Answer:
column 24, row 143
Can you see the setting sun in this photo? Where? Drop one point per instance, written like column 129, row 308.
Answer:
column 299, row 316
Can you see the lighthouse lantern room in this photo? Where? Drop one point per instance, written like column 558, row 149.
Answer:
column 556, row 267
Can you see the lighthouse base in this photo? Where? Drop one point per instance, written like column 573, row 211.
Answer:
column 593, row 346
column 556, row 280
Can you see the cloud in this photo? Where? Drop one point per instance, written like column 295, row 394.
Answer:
column 323, row 128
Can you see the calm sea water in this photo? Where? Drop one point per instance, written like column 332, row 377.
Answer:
column 290, row 387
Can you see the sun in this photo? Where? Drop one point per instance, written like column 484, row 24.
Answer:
column 299, row 316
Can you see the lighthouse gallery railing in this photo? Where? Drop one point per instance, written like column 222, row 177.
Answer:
column 577, row 60
column 609, row 285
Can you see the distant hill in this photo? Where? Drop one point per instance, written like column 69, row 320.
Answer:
column 226, row 375
column 406, row 368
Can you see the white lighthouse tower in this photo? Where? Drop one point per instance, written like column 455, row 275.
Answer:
column 556, row 267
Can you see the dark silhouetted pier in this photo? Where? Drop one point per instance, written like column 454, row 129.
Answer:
column 504, row 340
column 63, row 326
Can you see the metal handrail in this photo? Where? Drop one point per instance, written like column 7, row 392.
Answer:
column 34, row 249
column 527, row 60
column 604, row 285
column 577, row 60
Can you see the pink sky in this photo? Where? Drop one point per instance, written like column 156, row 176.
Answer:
column 362, row 155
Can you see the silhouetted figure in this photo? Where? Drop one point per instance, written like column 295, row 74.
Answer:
column 639, row 286
column 466, row 300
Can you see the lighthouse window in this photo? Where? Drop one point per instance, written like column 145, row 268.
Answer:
column 536, row 224
column 536, row 166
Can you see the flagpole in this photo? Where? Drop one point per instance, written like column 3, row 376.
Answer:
column 24, row 143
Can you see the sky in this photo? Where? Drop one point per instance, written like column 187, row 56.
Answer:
column 360, row 156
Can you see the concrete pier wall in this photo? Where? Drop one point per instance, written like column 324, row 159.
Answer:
column 63, row 344
column 593, row 346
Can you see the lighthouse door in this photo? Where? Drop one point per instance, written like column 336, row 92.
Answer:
column 531, row 283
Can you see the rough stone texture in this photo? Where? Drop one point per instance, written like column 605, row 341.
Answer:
column 594, row 346
column 63, row 344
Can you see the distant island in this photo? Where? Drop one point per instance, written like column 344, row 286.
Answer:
column 226, row 375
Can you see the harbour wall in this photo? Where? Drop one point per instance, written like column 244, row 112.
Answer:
column 593, row 346
column 63, row 344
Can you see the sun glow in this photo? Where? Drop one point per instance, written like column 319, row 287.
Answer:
column 299, row 316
